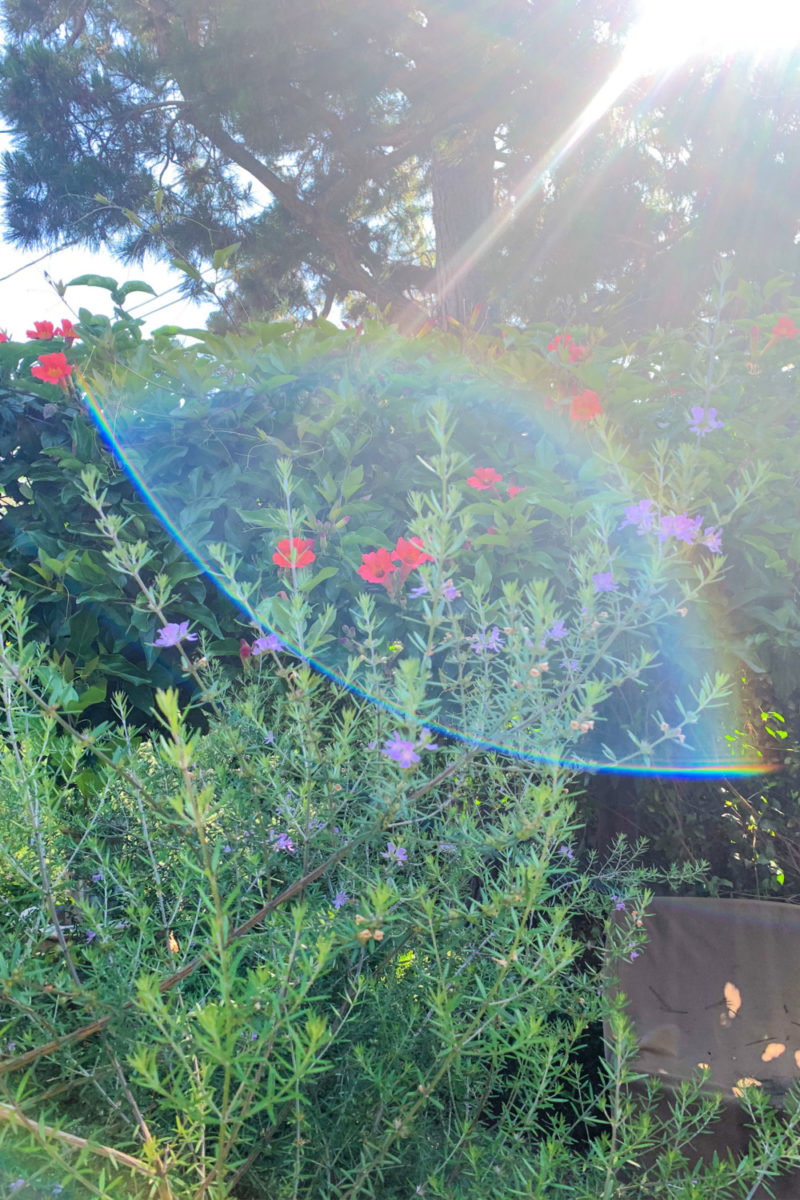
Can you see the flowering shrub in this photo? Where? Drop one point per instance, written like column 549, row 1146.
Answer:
column 261, row 941
column 663, row 493
column 329, row 945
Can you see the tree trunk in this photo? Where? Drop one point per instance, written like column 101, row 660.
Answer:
column 462, row 186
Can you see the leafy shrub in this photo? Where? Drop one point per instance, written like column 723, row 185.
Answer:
column 276, row 958
column 351, row 411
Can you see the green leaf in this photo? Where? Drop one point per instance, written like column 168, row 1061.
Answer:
column 95, row 694
column 182, row 265
column 135, row 285
column 320, row 577
column 352, row 481
column 101, row 281
column 221, row 257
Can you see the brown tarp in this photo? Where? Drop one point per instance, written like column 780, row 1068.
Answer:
column 718, row 984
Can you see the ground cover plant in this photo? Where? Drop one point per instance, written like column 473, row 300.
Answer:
column 339, row 932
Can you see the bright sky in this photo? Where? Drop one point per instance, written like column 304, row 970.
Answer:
column 671, row 31
column 668, row 32
column 27, row 296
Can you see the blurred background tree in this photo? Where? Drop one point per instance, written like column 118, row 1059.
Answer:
column 406, row 157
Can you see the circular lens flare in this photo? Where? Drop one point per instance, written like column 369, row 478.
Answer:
column 465, row 570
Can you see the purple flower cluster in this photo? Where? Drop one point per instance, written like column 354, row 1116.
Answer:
column 394, row 854
column 678, row 525
column 448, row 591
column 269, row 641
column 702, row 423
column 404, row 753
column 173, row 634
column 603, row 581
column 483, row 641
column 281, row 841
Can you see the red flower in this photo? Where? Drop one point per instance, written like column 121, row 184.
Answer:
column 52, row 368
column 294, row 552
column 513, row 490
column 586, row 406
column 244, row 651
column 377, row 566
column 410, row 554
column 561, row 339
column 3, row 336
column 484, row 478
column 785, row 328
column 42, row 329
column 67, row 331
column 578, row 353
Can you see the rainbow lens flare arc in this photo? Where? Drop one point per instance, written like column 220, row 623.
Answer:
column 516, row 732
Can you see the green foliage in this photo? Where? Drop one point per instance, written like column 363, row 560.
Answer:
column 222, row 978
column 331, row 142
column 352, row 412
column 312, row 949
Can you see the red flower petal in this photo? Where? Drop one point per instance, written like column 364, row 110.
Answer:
column 484, row 478
column 294, row 552
column 586, row 406
column 377, row 566
column 52, row 368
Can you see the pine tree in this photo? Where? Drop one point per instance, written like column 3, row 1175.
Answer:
column 385, row 154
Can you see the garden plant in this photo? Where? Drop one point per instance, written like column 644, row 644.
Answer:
column 316, row 644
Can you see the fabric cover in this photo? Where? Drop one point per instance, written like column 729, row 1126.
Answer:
column 718, row 983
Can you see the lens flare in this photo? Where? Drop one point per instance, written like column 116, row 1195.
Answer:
column 468, row 568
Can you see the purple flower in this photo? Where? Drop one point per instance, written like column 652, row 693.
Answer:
column 269, row 738
column 261, row 645
column 90, row 935
column 570, row 664
column 556, row 632
column 16, row 1185
column 604, row 582
column 394, row 853
column 281, row 841
column 702, row 424
column 619, row 903
column 173, row 635
column 449, row 591
column 481, row 642
column 634, row 954
column 253, row 1037
column 400, row 751
column 98, row 877
column 418, row 591
column 682, row 527
column 713, row 539
column 404, row 752
column 340, row 899
column 226, row 849
column 639, row 515
column 567, row 852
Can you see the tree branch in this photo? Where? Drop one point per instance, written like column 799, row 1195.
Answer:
column 327, row 232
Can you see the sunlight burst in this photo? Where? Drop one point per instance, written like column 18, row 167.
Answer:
column 668, row 34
